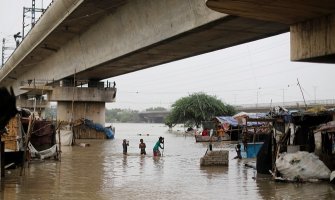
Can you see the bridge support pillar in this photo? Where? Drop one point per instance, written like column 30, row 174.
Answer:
column 35, row 102
column 90, row 110
column 314, row 40
column 74, row 103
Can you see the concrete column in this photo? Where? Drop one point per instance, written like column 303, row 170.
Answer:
column 314, row 40
column 39, row 104
column 90, row 110
column 88, row 102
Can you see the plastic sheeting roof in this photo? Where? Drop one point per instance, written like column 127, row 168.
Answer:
column 250, row 115
column 227, row 119
column 233, row 120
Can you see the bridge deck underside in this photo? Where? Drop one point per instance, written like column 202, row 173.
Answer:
column 222, row 33
column 283, row 11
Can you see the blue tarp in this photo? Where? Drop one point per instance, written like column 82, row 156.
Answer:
column 227, row 119
column 233, row 122
column 252, row 150
column 109, row 133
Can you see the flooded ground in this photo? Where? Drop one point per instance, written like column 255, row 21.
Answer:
column 101, row 171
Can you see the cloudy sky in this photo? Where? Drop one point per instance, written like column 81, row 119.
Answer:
column 259, row 71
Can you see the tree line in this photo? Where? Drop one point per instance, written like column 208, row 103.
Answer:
column 122, row 115
column 191, row 110
column 111, row 115
column 128, row 115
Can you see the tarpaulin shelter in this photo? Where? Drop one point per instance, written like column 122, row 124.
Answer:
column 243, row 118
column 227, row 119
column 230, row 126
column 87, row 129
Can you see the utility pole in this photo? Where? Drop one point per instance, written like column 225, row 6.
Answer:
column 257, row 96
column 314, row 94
column 3, row 49
column 3, row 52
column 302, row 93
column 32, row 11
column 283, row 97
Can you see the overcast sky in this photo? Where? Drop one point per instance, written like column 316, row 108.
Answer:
column 236, row 75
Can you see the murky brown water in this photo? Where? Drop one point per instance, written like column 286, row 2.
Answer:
column 101, row 171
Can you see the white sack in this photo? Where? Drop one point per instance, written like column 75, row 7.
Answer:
column 303, row 165
column 66, row 137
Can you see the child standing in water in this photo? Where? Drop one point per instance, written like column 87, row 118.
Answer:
column 142, row 146
column 157, row 146
column 125, row 145
column 238, row 152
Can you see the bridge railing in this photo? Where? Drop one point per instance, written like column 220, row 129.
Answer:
column 35, row 82
column 68, row 83
column 325, row 102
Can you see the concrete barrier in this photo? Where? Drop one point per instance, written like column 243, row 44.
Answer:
column 212, row 158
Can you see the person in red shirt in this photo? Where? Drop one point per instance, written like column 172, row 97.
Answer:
column 205, row 132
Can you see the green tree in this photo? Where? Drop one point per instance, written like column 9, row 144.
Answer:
column 195, row 108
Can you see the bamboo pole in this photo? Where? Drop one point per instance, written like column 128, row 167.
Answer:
column 59, row 142
column 27, row 139
column 72, row 114
column 302, row 93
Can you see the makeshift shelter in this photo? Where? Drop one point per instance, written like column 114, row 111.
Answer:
column 230, row 126
column 242, row 118
column 13, row 152
column 87, row 129
column 326, row 152
column 43, row 135
column 294, row 132
column 255, row 126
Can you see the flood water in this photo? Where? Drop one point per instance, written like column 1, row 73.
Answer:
column 101, row 171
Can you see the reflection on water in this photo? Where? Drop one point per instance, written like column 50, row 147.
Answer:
column 101, row 171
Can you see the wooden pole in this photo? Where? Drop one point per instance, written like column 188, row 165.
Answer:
column 59, row 143
column 30, row 125
column 74, row 85
column 72, row 115
column 2, row 159
column 302, row 94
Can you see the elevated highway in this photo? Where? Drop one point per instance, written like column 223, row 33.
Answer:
column 293, row 105
column 96, row 40
column 312, row 23
column 159, row 116
column 85, row 41
column 154, row 116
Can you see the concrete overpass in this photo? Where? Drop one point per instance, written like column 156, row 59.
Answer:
column 312, row 23
column 91, row 40
column 292, row 105
column 159, row 116
column 154, row 116
column 102, row 39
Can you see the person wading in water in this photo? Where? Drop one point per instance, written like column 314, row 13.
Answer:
column 157, row 146
column 125, row 145
column 142, row 146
